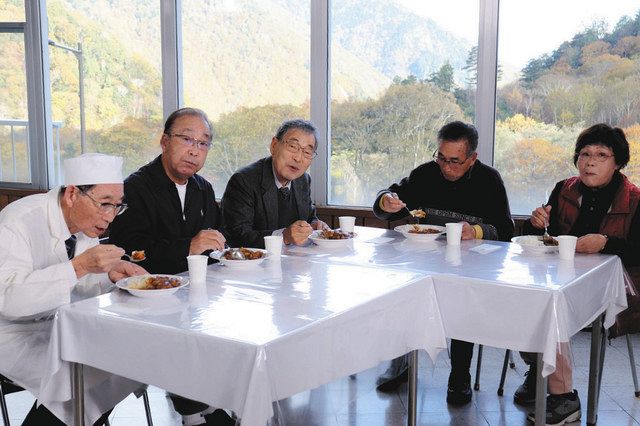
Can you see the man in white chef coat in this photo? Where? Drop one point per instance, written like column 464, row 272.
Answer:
column 50, row 256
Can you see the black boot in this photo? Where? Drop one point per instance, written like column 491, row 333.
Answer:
column 526, row 392
column 396, row 374
column 459, row 389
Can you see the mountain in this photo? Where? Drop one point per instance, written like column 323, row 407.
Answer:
column 236, row 53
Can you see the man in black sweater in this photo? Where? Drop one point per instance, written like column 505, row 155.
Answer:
column 173, row 213
column 454, row 187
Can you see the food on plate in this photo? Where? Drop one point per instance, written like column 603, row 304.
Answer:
column 137, row 255
column 247, row 253
column 415, row 229
column 530, row 240
column 157, row 282
column 536, row 241
column 335, row 234
column 548, row 240
column 419, row 213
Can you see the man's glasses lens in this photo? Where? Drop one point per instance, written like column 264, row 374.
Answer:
column 295, row 148
column 189, row 141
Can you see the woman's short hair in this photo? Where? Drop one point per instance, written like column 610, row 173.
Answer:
column 605, row 135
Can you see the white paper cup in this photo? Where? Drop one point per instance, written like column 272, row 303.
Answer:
column 567, row 246
column 273, row 245
column 197, row 269
column 347, row 223
column 453, row 255
column 454, row 233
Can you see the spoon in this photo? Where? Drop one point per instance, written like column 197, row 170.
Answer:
column 237, row 254
column 134, row 259
column 546, row 237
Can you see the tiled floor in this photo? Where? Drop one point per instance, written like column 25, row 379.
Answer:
column 356, row 402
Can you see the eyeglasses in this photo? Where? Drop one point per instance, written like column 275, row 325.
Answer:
column 296, row 148
column 191, row 142
column 454, row 162
column 600, row 157
column 110, row 208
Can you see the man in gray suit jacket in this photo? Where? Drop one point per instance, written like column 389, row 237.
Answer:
column 272, row 196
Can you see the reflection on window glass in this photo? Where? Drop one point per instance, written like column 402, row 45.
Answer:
column 560, row 73
column 121, row 73
column 14, row 135
column 399, row 71
column 12, row 11
column 246, row 64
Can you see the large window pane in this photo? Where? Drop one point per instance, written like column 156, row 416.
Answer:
column 565, row 66
column 12, row 11
column 118, row 62
column 14, row 135
column 246, row 64
column 399, row 71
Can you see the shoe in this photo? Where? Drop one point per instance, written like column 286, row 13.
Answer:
column 561, row 409
column 219, row 418
column 459, row 389
column 391, row 380
column 526, row 392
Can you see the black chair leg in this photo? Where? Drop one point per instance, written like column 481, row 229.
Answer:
column 476, row 385
column 147, row 407
column 503, row 376
column 632, row 360
column 3, row 406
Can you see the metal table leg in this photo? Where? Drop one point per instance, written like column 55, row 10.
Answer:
column 77, row 381
column 541, row 394
column 594, row 370
column 413, row 387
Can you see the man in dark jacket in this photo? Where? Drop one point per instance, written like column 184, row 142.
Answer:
column 273, row 196
column 173, row 213
column 454, row 187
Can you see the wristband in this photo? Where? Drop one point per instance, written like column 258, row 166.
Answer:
column 606, row 240
column 479, row 232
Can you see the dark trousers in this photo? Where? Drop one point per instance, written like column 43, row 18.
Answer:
column 186, row 406
column 41, row 416
column 461, row 354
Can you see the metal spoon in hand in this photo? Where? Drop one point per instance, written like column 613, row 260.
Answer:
column 135, row 256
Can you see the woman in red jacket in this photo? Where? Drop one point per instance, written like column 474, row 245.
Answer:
column 599, row 206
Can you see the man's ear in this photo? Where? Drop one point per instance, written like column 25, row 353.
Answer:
column 164, row 140
column 69, row 195
column 272, row 147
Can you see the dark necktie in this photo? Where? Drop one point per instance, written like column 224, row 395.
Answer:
column 286, row 192
column 70, row 244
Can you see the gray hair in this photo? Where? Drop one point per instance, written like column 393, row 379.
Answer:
column 181, row 113
column 304, row 125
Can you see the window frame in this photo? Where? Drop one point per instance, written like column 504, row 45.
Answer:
column 39, row 93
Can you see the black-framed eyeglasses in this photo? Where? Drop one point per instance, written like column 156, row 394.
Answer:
column 110, row 208
column 296, row 148
column 600, row 157
column 191, row 142
column 454, row 162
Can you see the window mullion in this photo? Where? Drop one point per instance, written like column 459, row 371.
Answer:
column 487, row 69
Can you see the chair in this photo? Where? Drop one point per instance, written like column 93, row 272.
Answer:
column 508, row 360
column 8, row 387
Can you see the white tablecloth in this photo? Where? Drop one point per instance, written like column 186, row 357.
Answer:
column 257, row 336
column 252, row 336
column 488, row 292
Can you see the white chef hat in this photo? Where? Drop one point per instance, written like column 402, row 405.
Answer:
column 92, row 169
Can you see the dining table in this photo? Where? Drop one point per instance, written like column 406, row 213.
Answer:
column 253, row 336
column 249, row 336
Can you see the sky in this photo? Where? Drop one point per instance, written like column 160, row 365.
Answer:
column 527, row 28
